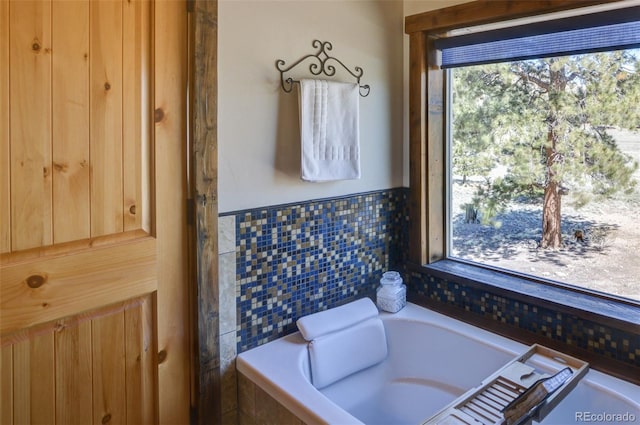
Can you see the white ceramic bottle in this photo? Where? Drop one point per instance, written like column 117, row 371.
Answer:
column 391, row 295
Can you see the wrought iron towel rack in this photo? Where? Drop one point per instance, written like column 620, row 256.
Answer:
column 321, row 64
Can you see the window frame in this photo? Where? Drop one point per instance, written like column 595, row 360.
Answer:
column 428, row 164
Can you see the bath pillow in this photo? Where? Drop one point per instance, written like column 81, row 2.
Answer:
column 334, row 319
column 339, row 354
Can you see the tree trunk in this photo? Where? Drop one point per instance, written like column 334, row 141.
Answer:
column 551, row 218
column 551, row 228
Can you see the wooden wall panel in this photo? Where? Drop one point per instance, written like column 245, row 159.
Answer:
column 170, row 138
column 6, row 384
column 30, row 104
column 135, row 134
column 74, row 395
column 140, row 366
column 75, row 120
column 78, row 151
column 145, row 27
column 71, row 284
column 70, row 90
column 109, row 369
column 106, row 117
column 97, row 367
column 33, row 384
column 5, row 168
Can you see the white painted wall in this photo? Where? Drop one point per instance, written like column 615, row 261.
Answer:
column 258, row 134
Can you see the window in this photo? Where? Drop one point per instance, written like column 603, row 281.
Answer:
column 515, row 201
column 543, row 164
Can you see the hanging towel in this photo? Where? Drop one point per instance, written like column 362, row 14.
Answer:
column 329, row 127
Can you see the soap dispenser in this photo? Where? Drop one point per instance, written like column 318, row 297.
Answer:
column 391, row 295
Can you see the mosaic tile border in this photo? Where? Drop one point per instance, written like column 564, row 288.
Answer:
column 297, row 259
column 605, row 341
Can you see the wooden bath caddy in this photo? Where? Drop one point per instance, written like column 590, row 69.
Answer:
column 517, row 393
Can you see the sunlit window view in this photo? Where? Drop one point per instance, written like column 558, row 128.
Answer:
column 544, row 169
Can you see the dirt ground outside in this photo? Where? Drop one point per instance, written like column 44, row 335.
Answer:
column 606, row 260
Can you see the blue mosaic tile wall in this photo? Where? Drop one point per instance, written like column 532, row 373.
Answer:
column 297, row 259
column 545, row 323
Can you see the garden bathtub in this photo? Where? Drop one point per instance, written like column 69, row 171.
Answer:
column 432, row 360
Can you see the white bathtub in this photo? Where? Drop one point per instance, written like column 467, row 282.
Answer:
column 432, row 360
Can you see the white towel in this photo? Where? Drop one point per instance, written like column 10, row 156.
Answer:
column 337, row 318
column 329, row 127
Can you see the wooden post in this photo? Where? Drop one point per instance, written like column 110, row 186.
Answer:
column 204, row 181
column 417, row 148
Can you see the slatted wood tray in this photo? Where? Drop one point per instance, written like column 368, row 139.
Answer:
column 483, row 405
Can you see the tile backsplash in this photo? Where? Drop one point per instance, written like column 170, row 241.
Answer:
column 297, row 259
column 281, row 262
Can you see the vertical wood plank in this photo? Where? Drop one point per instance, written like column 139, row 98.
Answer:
column 417, row 148
column 33, row 385
column 109, row 405
column 30, row 122
column 22, row 383
column 205, row 177
column 106, row 117
column 435, row 147
column 135, row 112
column 6, row 384
column 146, row 137
column 140, row 370
column 170, row 59
column 131, row 143
column 70, row 32
column 5, row 167
column 73, row 373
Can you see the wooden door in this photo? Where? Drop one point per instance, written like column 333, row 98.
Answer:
column 94, row 321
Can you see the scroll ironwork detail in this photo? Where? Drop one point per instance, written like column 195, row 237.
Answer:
column 322, row 63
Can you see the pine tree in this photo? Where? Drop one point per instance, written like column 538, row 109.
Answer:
column 538, row 128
